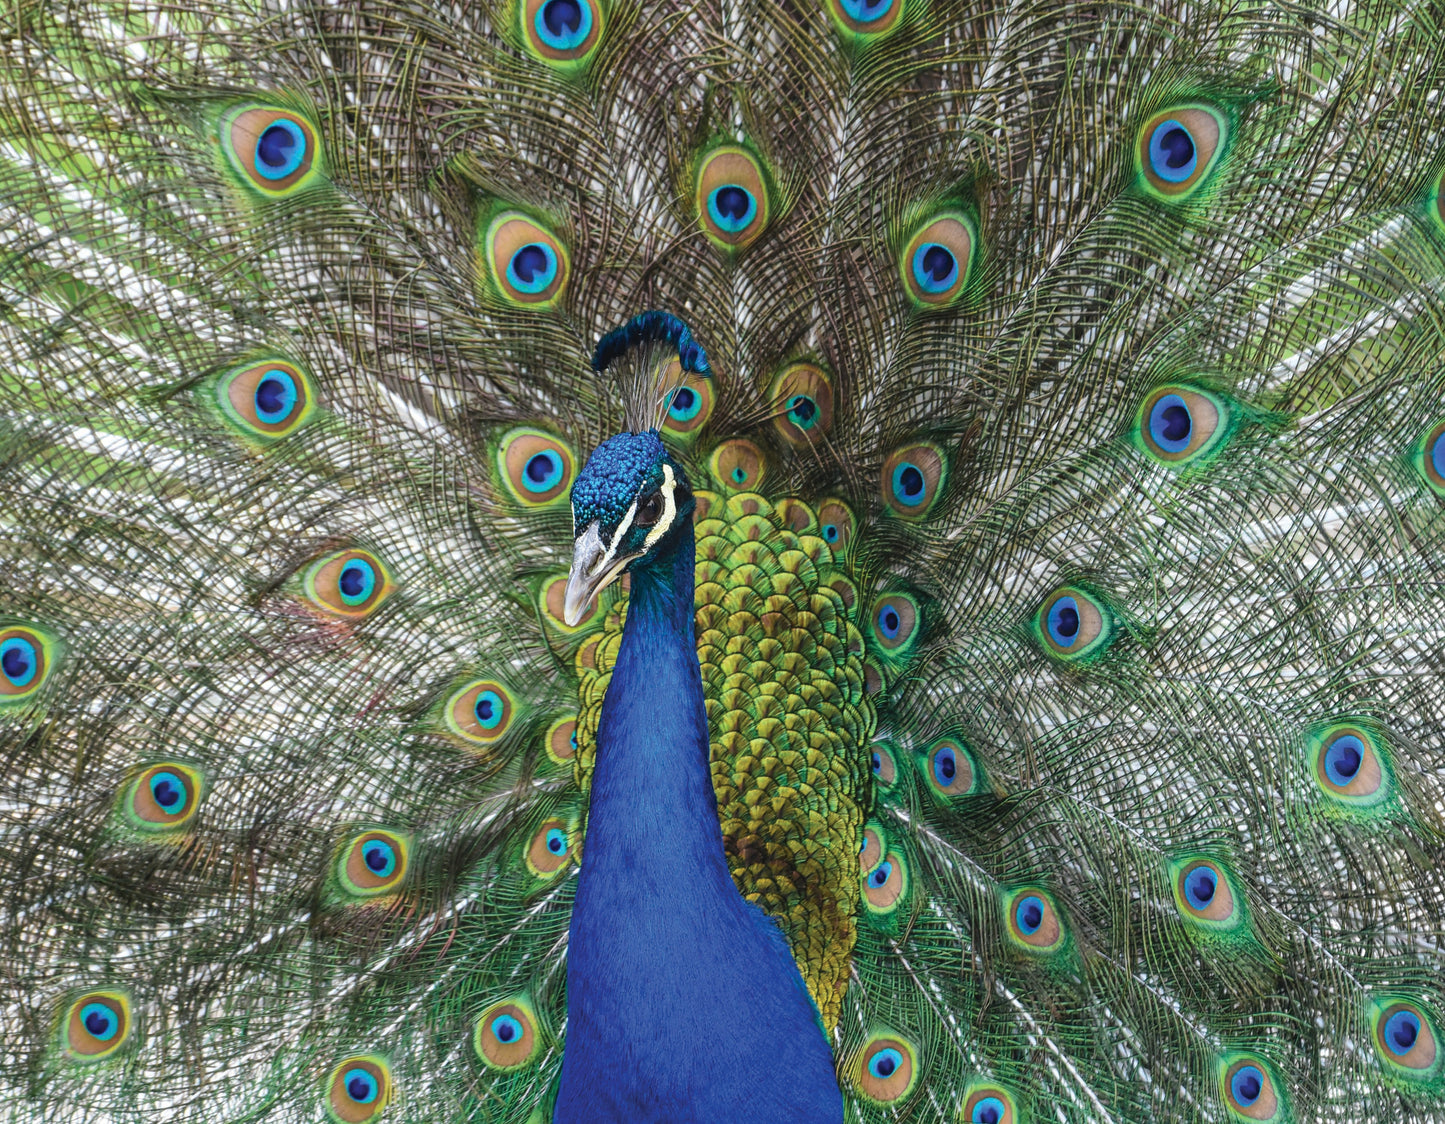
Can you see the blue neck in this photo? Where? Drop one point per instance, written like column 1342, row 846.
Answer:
column 683, row 1001
column 652, row 800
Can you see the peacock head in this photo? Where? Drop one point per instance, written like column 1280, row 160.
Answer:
column 629, row 504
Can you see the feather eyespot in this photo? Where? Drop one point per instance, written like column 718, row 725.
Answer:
column 26, row 658
column 527, row 264
column 738, row 465
column 731, row 196
column 1179, row 148
column 1249, row 1089
column 162, row 798
column 96, row 1025
column 549, row 849
column 690, row 405
column 936, row 260
column 273, row 150
column 885, row 884
column 1072, row 624
column 895, row 624
column 481, row 712
column 350, row 583
column 562, row 740
column 506, row 1035
column 359, row 1089
column 562, row 32
column 886, row 1069
column 536, row 468
column 373, row 863
column 1204, row 893
column 989, row 1104
column 1405, row 1038
column 1178, row 424
column 266, row 401
column 866, row 20
column 835, row 525
column 1430, row 458
column 882, row 763
column 1033, row 922
column 1349, row 765
column 802, row 397
column 949, row 767
column 912, row 479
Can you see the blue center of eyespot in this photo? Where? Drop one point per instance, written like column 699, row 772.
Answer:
column 543, row 471
column 1401, row 1030
column 18, row 661
column 573, row 740
column 731, row 207
column 877, row 762
column 489, row 709
column 1171, row 152
column 532, row 268
column 564, row 24
column 739, row 476
column 380, row 858
column 885, row 1063
column 168, row 792
column 802, row 411
column 935, row 269
column 1200, row 885
column 1246, row 1085
column 1437, row 454
column 280, row 149
column 557, row 841
column 889, row 622
column 1063, row 622
column 1343, row 758
column 879, row 878
column 866, row 11
column 356, row 581
column 506, row 1029
column 360, row 1086
column 989, row 1110
column 1170, row 423
column 684, row 404
column 276, row 396
column 945, row 766
column 1029, row 915
column 830, row 533
column 909, row 486
column 99, row 1021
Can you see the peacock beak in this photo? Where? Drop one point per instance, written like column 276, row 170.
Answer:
column 594, row 568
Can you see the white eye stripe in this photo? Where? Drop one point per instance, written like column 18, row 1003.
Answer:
column 669, row 511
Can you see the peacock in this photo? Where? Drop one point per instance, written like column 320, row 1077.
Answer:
column 722, row 560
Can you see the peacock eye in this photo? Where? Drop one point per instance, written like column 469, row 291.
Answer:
column 1250, row 1091
column 25, row 656
column 273, row 149
column 359, row 1090
column 562, row 32
column 1179, row 147
column 649, row 510
column 506, row 1035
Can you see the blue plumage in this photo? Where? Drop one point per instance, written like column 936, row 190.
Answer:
column 683, row 1000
